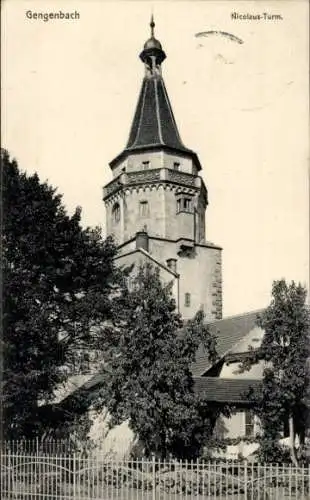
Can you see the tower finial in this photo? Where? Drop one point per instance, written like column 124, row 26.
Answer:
column 152, row 25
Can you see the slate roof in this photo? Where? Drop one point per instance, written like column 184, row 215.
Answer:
column 153, row 121
column 224, row 390
column 228, row 331
column 154, row 125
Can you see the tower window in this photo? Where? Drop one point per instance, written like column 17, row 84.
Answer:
column 187, row 204
column 144, row 209
column 176, row 165
column 116, row 213
column 145, row 165
column 184, row 205
column 187, row 301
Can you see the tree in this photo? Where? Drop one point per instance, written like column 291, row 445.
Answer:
column 283, row 394
column 58, row 283
column 149, row 381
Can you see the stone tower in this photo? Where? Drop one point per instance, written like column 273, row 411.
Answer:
column 157, row 200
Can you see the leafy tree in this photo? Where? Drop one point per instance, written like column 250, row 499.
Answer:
column 284, row 393
column 149, row 380
column 58, row 283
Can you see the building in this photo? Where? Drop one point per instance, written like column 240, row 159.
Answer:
column 156, row 202
column 155, row 208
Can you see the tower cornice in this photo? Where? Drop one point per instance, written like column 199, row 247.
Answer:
column 155, row 177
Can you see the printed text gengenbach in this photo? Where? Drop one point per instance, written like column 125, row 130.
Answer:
column 48, row 16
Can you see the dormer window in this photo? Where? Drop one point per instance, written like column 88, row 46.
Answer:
column 176, row 165
column 145, row 165
column 116, row 213
column 184, row 204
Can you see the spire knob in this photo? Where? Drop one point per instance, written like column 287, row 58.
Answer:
column 152, row 48
column 152, row 25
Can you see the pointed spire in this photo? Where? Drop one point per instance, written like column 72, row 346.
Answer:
column 154, row 126
column 152, row 25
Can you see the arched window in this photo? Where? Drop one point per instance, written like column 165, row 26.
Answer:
column 116, row 213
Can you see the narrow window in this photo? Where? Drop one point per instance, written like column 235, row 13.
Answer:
column 145, row 165
column 144, row 209
column 116, row 213
column 187, row 299
column 249, row 424
column 176, row 165
column 184, row 205
column 187, row 204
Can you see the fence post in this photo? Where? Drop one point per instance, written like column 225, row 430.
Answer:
column 74, row 475
column 245, row 480
column 154, row 479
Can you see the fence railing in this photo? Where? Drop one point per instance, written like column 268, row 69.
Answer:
column 64, row 477
column 107, row 446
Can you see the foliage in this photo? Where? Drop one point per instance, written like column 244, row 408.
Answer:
column 284, row 392
column 149, row 381
column 58, row 280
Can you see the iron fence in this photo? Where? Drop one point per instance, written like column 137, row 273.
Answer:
column 65, row 477
column 108, row 446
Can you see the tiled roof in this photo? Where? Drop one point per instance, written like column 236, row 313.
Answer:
column 224, row 390
column 229, row 332
column 220, row 390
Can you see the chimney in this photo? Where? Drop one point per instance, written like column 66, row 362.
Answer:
column 142, row 240
column 172, row 264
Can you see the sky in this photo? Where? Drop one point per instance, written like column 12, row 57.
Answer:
column 69, row 90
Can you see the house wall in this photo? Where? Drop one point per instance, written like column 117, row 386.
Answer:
column 231, row 370
column 234, row 426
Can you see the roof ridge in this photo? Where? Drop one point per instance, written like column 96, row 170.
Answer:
column 157, row 110
column 240, row 315
column 142, row 95
column 172, row 114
